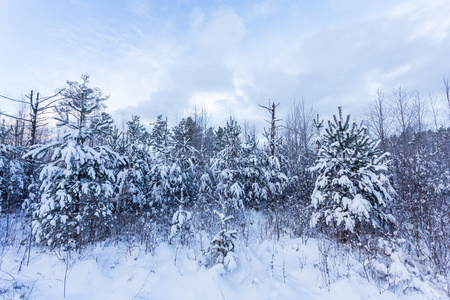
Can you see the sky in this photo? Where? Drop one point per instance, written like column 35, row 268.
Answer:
column 165, row 57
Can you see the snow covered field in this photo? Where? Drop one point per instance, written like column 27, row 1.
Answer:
column 287, row 269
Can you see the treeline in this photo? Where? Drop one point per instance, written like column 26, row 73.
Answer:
column 85, row 179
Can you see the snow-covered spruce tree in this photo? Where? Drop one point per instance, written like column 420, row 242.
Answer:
column 78, row 184
column 351, row 192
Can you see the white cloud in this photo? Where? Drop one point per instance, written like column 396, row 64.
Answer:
column 217, row 37
column 264, row 9
column 196, row 19
column 161, row 60
column 139, row 8
column 429, row 19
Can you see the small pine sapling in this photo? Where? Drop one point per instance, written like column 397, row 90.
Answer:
column 181, row 223
column 221, row 248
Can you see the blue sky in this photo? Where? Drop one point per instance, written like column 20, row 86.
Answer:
column 163, row 57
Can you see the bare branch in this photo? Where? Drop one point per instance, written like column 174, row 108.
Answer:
column 15, row 100
column 16, row 118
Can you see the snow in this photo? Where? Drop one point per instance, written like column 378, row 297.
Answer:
column 287, row 269
column 360, row 206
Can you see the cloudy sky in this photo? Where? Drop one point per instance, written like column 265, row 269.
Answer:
column 164, row 57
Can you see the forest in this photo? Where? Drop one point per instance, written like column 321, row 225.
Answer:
column 71, row 177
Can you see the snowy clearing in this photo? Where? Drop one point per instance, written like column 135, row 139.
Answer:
column 288, row 269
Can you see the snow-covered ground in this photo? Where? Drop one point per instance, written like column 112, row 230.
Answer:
column 287, row 269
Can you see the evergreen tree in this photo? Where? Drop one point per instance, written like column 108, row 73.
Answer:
column 171, row 169
column 102, row 137
column 134, row 178
column 219, row 139
column 350, row 193
column 12, row 179
column 226, row 168
column 273, row 169
column 208, row 145
column 273, row 161
column 181, row 223
column 187, row 147
column 76, row 94
column 252, row 174
column 188, row 132
column 160, row 137
column 221, row 248
column 115, row 140
column 78, row 184
column 276, row 180
column 12, row 175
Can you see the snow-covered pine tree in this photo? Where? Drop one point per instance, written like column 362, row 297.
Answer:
column 160, row 138
column 12, row 183
column 181, row 223
column 226, row 168
column 187, row 147
column 190, row 132
column 242, row 174
column 78, row 184
column 169, row 173
column 252, row 174
column 351, row 192
column 273, row 161
column 221, row 248
column 12, row 174
column 116, row 140
column 93, row 97
column 134, row 178
column 273, row 164
column 219, row 139
column 275, row 176
column 161, row 146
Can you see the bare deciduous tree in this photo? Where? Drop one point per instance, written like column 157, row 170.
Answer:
column 379, row 119
column 446, row 81
column 299, row 128
column 404, row 115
